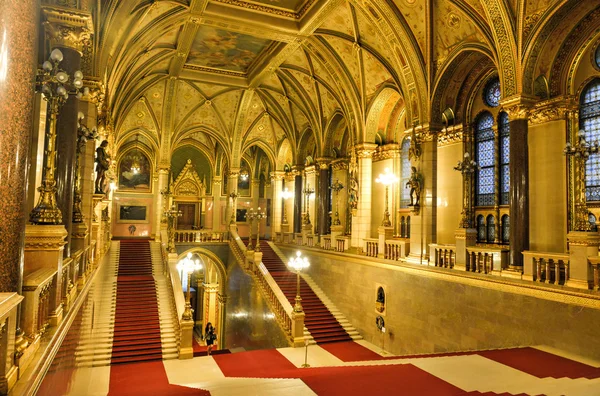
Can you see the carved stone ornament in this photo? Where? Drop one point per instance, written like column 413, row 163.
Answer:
column 450, row 136
column 46, row 237
column 188, row 182
column 551, row 110
column 68, row 28
column 518, row 107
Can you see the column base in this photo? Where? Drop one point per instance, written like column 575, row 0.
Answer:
column 56, row 316
column 186, row 349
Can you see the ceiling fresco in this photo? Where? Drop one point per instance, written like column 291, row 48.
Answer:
column 225, row 50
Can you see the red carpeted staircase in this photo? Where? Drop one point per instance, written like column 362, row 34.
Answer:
column 137, row 326
column 319, row 321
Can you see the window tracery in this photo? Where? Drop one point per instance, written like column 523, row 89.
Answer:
column 504, row 132
column 492, row 93
column 589, row 122
column 485, row 153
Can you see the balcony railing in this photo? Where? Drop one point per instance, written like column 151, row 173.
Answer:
column 443, row 255
column 546, row 267
column 188, row 236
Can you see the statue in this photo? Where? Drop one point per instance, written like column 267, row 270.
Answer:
column 414, row 151
column 415, row 187
column 103, row 163
column 353, row 184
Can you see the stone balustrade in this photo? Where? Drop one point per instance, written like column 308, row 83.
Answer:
column 443, row 255
column 396, row 249
column 326, row 242
column 595, row 264
column 486, row 259
column 342, row 243
column 371, row 247
column 200, row 236
column 546, row 267
column 310, row 240
column 288, row 237
column 9, row 303
column 39, row 290
column 298, row 238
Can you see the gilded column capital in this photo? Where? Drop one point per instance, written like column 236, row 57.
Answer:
column 233, row 172
column 386, row 152
column 68, row 28
column 217, row 179
column 552, row 110
column 323, row 162
column 518, row 107
column 450, row 135
column 277, row 175
column 365, row 150
column 310, row 170
column 340, row 163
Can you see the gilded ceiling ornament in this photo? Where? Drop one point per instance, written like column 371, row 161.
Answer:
column 453, row 21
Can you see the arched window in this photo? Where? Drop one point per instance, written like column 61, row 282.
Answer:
column 481, row 229
column 484, row 153
column 492, row 92
column 589, row 121
column 504, row 132
column 505, row 229
column 405, row 174
column 491, row 229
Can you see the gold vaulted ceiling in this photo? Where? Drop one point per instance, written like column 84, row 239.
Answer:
column 233, row 73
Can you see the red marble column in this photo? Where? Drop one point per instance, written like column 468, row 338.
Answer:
column 18, row 43
column 298, row 204
column 323, row 204
column 519, row 191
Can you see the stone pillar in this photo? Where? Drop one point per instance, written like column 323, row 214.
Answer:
column 159, row 199
column 310, row 181
column 517, row 109
column 216, row 209
column 581, row 246
column 383, row 234
column 298, row 203
column 423, row 218
column 67, row 30
column 465, row 237
column 254, row 193
column 232, row 184
column 211, row 290
column 277, row 183
column 222, row 309
column 361, row 223
column 87, row 164
column 18, row 40
column 323, row 201
column 340, row 173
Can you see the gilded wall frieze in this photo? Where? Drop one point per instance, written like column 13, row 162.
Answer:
column 340, row 164
column 551, row 110
column 518, row 107
column 270, row 10
column 499, row 22
column 449, row 136
column 389, row 151
column 196, row 68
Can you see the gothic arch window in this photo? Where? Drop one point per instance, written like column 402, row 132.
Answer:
column 405, row 174
column 481, row 229
column 504, row 132
column 492, row 93
column 505, row 229
column 589, row 122
column 484, row 155
column 491, row 229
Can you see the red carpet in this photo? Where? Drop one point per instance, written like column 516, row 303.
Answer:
column 137, row 326
column 147, row 378
column 351, row 352
column 323, row 326
column 541, row 364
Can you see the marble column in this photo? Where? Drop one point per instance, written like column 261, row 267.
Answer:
column 517, row 109
column 277, row 183
column 216, row 209
column 159, row 199
column 323, row 197
column 18, row 45
column 361, row 223
column 298, row 199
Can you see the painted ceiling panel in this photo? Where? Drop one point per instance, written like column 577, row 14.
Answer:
column 273, row 81
column 262, row 131
column 340, row 20
column 189, row 98
column 210, row 90
column 155, row 98
column 375, row 73
column 225, row 50
column 299, row 59
column 369, row 35
column 453, row 28
column 349, row 56
column 204, row 116
column 278, row 131
column 227, row 105
column 414, row 12
column 255, row 109
column 299, row 118
column 139, row 117
column 329, row 102
column 169, row 39
column 306, row 82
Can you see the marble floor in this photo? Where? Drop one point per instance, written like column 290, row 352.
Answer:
column 462, row 373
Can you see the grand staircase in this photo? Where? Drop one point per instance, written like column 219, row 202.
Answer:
column 319, row 321
column 131, row 315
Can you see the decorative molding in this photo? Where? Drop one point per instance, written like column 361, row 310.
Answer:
column 551, row 110
column 450, row 136
column 389, row 151
column 46, row 237
column 68, row 28
column 518, row 106
column 188, row 182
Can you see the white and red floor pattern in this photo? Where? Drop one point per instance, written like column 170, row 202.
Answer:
column 350, row 369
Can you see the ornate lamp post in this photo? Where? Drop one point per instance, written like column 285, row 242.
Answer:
column 386, row 179
column 83, row 135
column 250, row 216
column 580, row 153
column 467, row 167
column 188, row 266
column 171, row 215
column 258, row 216
column 337, row 186
column 308, row 192
column 166, row 194
column 286, row 194
column 233, row 197
column 55, row 85
column 298, row 263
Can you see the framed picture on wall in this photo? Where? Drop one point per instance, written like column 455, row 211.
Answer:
column 136, row 214
column 240, row 215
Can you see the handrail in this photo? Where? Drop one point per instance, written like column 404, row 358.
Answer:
column 200, row 236
column 173, row 276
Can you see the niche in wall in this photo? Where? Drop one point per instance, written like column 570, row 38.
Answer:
column 380, row 300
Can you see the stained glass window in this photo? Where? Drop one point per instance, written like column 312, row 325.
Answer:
column 405, row 174
column 589, row 121
column 484, row 152
column 504, row 132
column 481, row 229
column 491, row 93
column 505, row 229
column 491, row 229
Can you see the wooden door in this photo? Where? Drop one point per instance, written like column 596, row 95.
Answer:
column 188, row 216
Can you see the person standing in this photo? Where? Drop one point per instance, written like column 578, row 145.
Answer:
column 210, row 337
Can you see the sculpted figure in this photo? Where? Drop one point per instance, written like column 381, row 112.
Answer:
column 102, row 164
column 415, row 187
